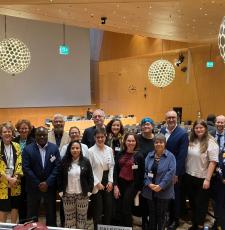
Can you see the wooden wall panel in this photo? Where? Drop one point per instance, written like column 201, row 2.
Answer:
column 205, row 91
column 116, row 45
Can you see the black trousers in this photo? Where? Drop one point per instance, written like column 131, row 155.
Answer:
column 157, row 213
column 220, row 203
column 144, row 212
column 101, row 205
column 177, row 205
column 23, row 202
column 33, row 205
column 198, row 198
column 128, row 193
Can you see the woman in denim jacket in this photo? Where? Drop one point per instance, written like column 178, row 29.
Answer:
column 160, row 168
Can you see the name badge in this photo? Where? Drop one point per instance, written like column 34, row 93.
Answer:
column 150, row 174
column 52, row 159
column 134, row 166
column 117, row 149
column 9, row 171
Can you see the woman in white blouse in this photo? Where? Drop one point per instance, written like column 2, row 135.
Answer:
column 102, row 162
column 200, row 164
column 75, row 183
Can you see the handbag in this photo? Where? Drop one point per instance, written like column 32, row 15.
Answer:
column 31, row 226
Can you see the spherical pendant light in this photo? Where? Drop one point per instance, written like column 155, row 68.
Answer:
column 161, row 73
column 221, row 39
column 14, row 56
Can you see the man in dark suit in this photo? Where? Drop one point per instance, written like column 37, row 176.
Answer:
column 40, row 166
column 216, row 185
column 88, row 136
column 177, row 143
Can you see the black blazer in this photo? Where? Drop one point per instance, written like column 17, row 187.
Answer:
column 137, row 173
column 86, row 177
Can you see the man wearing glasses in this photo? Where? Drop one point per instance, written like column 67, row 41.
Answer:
column 177, row 143
column 88, row 136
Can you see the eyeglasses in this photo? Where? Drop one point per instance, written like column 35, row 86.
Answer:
column 171, row 117
column 98, row 116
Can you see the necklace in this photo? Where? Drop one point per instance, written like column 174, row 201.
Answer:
column 157, row 157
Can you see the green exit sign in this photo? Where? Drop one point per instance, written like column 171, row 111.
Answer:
column 64, row 50
column 209, row 64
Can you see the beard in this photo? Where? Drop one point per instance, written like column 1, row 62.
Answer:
column 58, row 130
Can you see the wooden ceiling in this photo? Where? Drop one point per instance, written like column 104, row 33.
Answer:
column 180, row 20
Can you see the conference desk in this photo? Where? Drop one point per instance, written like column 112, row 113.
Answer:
column 83, row 124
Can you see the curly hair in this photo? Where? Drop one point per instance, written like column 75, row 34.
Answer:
column 109, row 126
column 23, row 121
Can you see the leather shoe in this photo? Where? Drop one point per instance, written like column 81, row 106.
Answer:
column 173, row 225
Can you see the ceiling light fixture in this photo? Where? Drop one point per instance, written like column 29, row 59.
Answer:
column 161, row 72
column 14, row 55
column 221, row 39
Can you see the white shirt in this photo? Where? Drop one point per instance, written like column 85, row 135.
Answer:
column 74, row 185
column 197, row 163
column 43, row 153
column 9, row 157
column 168, row 133
column 83, row 146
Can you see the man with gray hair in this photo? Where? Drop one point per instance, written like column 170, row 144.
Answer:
column 88, row 136
column 58, row 136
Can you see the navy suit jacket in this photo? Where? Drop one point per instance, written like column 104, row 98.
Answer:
column 177, row 144
column 88, row 136
column 33, row 170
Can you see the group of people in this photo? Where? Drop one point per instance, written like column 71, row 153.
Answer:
column 102, row 174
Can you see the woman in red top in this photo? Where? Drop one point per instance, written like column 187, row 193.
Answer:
column 128, row 177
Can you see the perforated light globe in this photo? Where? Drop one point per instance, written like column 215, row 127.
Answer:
column 221, row 39
column 14, row 56
column 161, row 73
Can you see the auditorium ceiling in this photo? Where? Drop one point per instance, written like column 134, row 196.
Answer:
column 180, row 20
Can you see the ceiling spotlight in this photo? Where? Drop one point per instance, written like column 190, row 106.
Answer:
column 103, row 20
column 179, row 60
